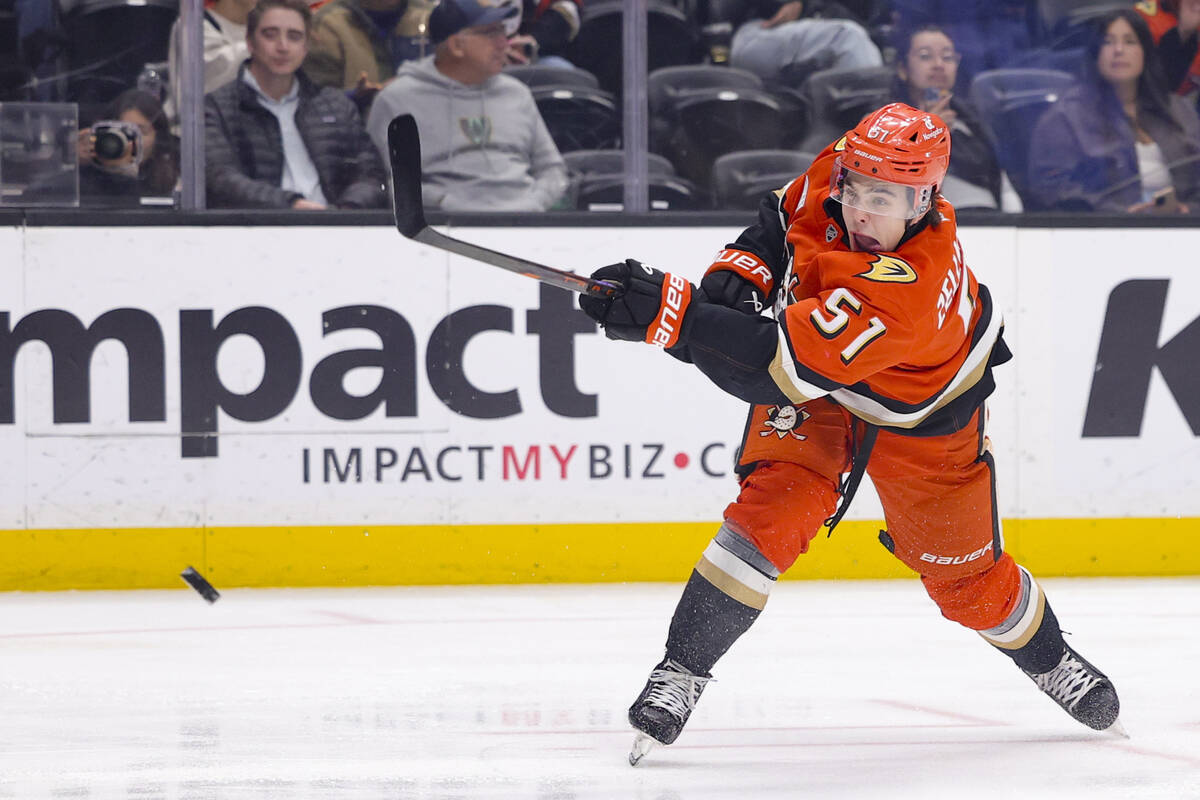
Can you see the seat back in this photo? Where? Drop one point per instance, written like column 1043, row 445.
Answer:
column 839, row 98
column 739, row 180
column 698, row 113
column 665, row 87
column 534, row 75
column 673, row 39
column 108, row 42
column 1010, row 102
column 612, row 162
column 579, row 118
column 667, row 193
column 1065, row 21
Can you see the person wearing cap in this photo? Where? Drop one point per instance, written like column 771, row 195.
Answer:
column 876, row 360
column 484, row 146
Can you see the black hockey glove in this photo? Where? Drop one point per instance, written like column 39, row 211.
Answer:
column 727, row 288
column 649, row 307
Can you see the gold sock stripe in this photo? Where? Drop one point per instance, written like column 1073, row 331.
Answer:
column 730, row 585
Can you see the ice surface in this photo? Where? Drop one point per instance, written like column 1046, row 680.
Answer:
column 842, row 690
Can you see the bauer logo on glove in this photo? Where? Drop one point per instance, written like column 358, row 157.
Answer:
column 650, row 305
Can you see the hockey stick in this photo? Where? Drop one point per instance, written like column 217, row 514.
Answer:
column 404, row 151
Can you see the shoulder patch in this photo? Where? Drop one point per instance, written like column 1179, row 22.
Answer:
column 889, row 269
column 840, row 146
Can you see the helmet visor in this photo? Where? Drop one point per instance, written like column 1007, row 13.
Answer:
column 876, row 196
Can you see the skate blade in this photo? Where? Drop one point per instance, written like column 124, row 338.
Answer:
column 1117, row 730
column 642, row 745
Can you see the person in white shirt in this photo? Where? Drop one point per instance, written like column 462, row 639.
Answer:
column 274, row 139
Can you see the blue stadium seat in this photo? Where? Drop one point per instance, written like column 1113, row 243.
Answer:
column 1010, row 102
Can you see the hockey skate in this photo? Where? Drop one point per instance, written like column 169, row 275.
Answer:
column 1083, row 691
column 663, row 707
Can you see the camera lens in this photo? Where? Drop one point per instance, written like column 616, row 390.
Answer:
column 110, row 146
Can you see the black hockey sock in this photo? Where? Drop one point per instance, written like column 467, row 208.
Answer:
column 706, row 623
column 1044, row 649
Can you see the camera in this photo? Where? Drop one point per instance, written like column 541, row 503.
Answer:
column 115, row 140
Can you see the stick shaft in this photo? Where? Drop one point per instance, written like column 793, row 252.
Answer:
column 404, row 151
column 564, row 280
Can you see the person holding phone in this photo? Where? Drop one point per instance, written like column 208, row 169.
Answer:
column 1118, row 142
column 926, row 73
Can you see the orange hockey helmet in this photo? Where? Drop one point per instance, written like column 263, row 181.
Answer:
column 897, row 144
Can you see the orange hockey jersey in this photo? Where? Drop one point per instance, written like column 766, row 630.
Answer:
column 893, row 337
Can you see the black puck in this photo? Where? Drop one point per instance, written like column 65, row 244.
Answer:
column 204, row 588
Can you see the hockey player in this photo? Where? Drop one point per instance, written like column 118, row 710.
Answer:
column 880, row 357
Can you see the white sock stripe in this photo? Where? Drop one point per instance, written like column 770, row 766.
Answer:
column 737, row 569
column 1031, row 608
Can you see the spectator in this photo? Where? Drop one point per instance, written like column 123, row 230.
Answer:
column 145, row 166
column 989, row 33
column 224, row 50
column 484, row 146
column 541, row 32
column 274, row 139
column 1118, row 141
column 359, row 44
column 785, row 42
column 1173, row 24
column 926, row 73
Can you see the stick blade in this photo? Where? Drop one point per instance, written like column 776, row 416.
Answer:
column 404, row 151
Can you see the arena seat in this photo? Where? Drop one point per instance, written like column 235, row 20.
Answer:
column 597, row 47
column 1010, row 102
column 577, row 117
column 701, row 112
column 612, row 162
column 107, row 43
column 667, row 193
column 535, row 75
column 739, row 180
column 839, row 98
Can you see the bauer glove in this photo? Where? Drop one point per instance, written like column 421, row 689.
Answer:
column 729, row 289
column 649, row 306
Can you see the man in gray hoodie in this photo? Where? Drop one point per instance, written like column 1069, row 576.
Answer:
column 484, row 146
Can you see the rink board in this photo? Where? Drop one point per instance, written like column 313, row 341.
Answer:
column 250, row 430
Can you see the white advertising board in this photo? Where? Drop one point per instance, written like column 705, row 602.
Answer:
column 480, row 400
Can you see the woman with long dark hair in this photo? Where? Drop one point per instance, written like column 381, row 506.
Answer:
column 1119, row 141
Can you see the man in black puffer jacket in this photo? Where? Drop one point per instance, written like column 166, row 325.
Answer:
column 274, row 139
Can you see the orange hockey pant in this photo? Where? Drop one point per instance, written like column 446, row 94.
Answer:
column 937, row 494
